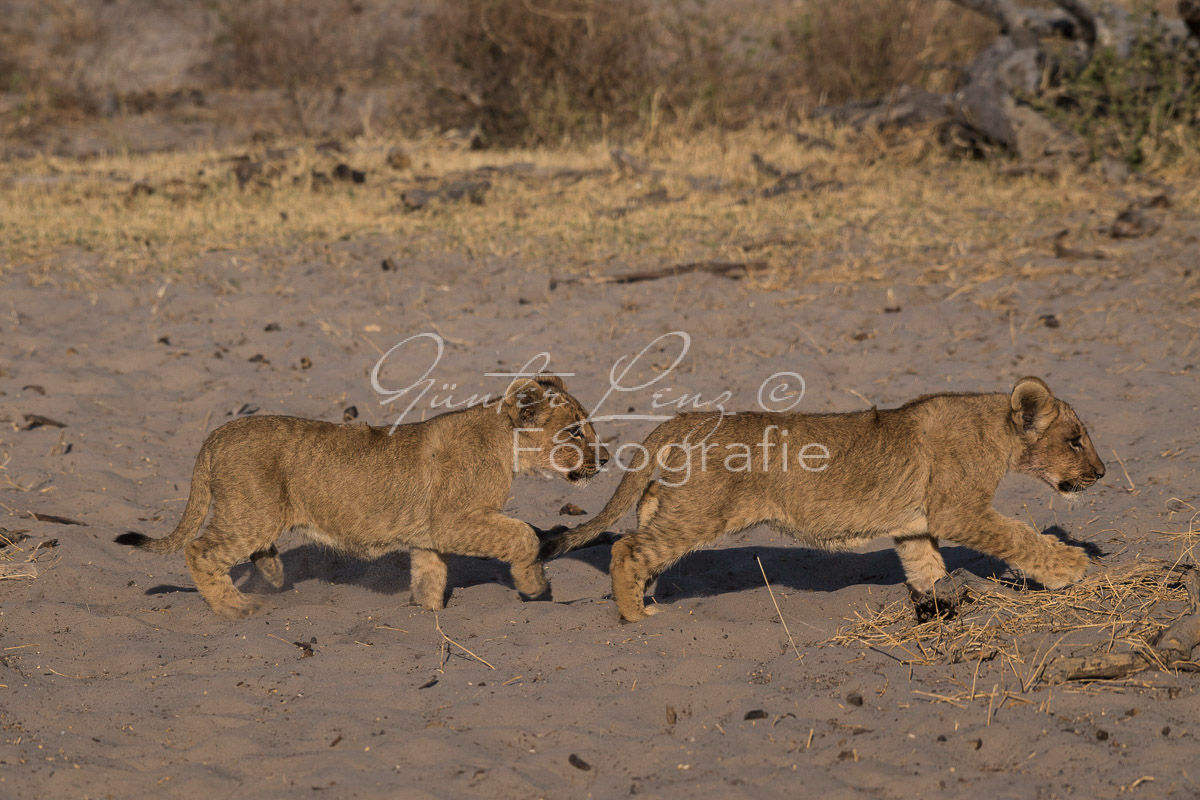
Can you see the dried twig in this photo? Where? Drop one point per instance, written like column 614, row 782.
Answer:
column 447, row 639
column 795, row 649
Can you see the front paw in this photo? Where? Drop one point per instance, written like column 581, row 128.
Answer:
column 544, row 596
column 934, row 604
column 1063, row 566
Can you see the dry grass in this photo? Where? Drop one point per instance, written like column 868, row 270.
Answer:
column 873, row 204
column 1117, row 610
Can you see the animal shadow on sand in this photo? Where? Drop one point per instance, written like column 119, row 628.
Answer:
column 703, row 573
column 733, row 569
column 388, row 574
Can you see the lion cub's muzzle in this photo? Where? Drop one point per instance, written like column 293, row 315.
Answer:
column 1080, row 483
column 586, row 472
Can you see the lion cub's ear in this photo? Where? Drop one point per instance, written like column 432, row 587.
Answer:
column 1033, row 405
column 527, row 400
column 550, row 379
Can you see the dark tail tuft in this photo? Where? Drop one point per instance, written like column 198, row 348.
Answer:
column 133, row 539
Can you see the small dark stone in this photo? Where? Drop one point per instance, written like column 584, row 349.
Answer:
column 976, row 744
column 246, row 410
column 570, row 509
column 1049, row 320
column 854, row 699
column 1102, row 735
column 941, row 737
column 165, row 340
column 672, row 716
column 757, row 713
column 305, row 362
column 578, row 763
column 428, row 683
column 271, row 326
column 1166, row 731
column 258, row 358
column 388, row 265
column 351, row 413
column 33, row 387
column 891, row 309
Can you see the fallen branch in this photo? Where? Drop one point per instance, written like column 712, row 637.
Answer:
column 1172, row 649
column 726, row 269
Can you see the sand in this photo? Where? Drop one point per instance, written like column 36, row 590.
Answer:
column 117, row 681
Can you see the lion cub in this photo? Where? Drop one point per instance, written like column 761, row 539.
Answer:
column 436, row 487
column 924, row 471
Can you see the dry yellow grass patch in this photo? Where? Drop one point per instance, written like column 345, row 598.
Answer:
column 874, row 204
column 1119, row 610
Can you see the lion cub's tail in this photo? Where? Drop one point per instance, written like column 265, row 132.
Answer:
column 633, row 484
column 197, row 508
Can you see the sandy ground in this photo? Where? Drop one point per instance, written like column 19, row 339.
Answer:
column 117, row 680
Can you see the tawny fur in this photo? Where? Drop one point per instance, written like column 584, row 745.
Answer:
column 435, row 487
column 924, row 471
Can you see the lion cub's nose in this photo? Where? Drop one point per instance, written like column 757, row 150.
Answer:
column 603, row 460
column 1099, row 472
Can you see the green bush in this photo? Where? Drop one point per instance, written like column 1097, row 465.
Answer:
column 1142, row 108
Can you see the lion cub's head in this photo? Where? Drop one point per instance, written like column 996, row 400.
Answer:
column 1057, row 447
column 554, row 435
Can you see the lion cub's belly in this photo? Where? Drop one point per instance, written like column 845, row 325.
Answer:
column 831, row 536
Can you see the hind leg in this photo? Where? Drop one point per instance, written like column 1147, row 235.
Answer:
column 209, row 559
column 638, row 559
column 428, row 580
column 269, row 565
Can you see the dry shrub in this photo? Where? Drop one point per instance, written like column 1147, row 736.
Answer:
column 271, row 44
column 862, row 49
column 558, row 69
column 523, row 71
column 537, row 73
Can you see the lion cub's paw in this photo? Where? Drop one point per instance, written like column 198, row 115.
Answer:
column 545, row 595
column 929, row 606
column 1064, row 566
column 644, row 613
column 429, row 602
column 241, row 609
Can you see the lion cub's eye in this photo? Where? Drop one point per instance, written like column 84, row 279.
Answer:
column 1076, row 442
column 575, row 430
